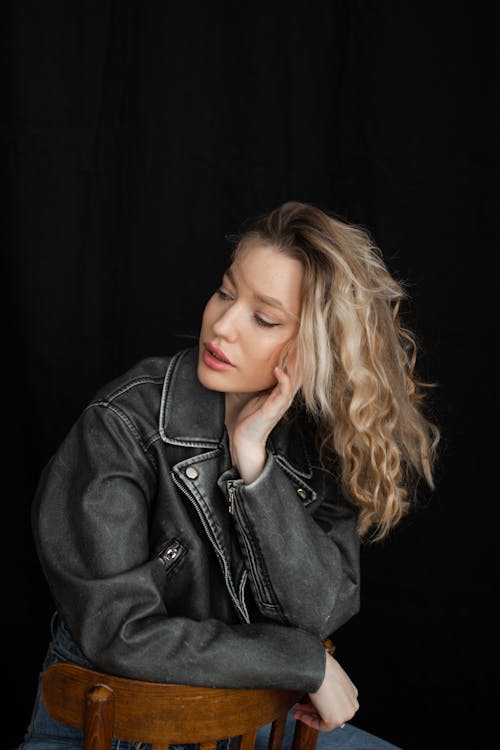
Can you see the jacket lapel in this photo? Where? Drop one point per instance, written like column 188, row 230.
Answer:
column 193, row 416
column 192, row 419
column 190, row 414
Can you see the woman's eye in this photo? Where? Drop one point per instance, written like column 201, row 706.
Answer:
column 260, row 321
column 265, row 323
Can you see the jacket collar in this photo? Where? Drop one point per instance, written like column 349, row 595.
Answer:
column 193, row 416
column 190, row 414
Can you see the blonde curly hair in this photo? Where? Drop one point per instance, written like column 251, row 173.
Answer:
column 357, row 361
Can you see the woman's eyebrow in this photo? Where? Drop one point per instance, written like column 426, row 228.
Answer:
column 262, row 297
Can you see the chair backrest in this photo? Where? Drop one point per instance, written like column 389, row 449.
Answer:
column 104, row 706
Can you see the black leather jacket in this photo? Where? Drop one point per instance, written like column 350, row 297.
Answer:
column 165, row 566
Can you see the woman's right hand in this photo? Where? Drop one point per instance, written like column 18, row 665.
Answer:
column 333, row 704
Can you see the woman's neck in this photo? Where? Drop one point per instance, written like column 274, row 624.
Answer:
column 234, row 403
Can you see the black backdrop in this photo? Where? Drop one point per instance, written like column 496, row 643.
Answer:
column 135, row 136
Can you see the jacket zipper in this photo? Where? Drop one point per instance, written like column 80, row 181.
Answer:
column 240, row 606
column 233, row 509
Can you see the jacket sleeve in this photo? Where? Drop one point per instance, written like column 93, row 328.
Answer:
column 302, row 558
column 90, row 523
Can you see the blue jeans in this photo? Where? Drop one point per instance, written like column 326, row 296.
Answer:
column 46, row 734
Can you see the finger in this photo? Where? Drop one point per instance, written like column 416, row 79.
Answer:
column 282, row 374
column 291, row 368
column 281, row 394
column 306, row 708
column 285, row 384
column 290, row 378
column 311, row 720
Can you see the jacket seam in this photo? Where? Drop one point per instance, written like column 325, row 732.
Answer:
column 165, row 395
column 130, row 425
column 152, row 440
column 262, row 572
column 287, row 468
column 158, row 380
column 293, row 468
column 326, row 471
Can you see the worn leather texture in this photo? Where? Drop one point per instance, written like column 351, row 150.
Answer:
column 152, row 574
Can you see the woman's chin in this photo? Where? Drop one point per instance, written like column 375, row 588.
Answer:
column 211, row 379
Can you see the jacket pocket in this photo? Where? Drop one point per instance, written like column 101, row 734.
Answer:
column 171, row 554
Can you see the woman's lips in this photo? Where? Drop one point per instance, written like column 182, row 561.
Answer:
column 213, row 362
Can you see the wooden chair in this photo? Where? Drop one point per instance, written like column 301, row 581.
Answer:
column 104, row 706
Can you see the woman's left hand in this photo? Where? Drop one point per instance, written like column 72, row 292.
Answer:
column 333, row 704
column 255, row 422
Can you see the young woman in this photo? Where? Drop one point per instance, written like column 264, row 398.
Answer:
column 200, row 523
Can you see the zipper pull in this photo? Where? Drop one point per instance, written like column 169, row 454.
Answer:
column 170, row 552
column 231, row 491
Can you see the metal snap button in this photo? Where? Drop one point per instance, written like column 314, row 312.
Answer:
column 171, row 553
column 302, row 493
column 191, row 472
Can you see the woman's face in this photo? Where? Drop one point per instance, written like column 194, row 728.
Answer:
column 249, row 320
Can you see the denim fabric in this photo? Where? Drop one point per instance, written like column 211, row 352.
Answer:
column 44, row 733
column 348, row 738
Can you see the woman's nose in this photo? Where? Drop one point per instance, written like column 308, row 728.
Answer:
column 226, row 324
